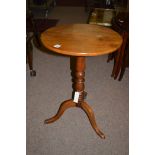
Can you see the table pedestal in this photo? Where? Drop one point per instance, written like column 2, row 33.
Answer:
column 77, row 68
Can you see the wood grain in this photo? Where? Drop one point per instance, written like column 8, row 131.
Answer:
column 81, row 39
column 63, row 107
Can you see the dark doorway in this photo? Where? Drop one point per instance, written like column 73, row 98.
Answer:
column 70, row 2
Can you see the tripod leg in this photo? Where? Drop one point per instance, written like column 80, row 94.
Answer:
column 88, row 110
column 64, row 106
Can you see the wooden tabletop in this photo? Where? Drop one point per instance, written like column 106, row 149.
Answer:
column 81, row 40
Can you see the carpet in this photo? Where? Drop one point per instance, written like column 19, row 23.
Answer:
column 40, row 24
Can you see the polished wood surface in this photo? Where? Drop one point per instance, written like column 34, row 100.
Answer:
column 121, row 57
column 81, row 40
column 29, row 54
column 88, row 110
column 63, row 107
column 78, row 76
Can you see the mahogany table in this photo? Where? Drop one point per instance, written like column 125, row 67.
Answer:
column 79, row 41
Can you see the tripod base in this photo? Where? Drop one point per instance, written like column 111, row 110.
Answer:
column 84, row 106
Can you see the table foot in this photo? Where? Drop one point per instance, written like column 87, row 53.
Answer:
column 32, row 73
column 64, row 106
column 88, row 110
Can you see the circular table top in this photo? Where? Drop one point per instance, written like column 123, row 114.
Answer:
column 81, row 40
